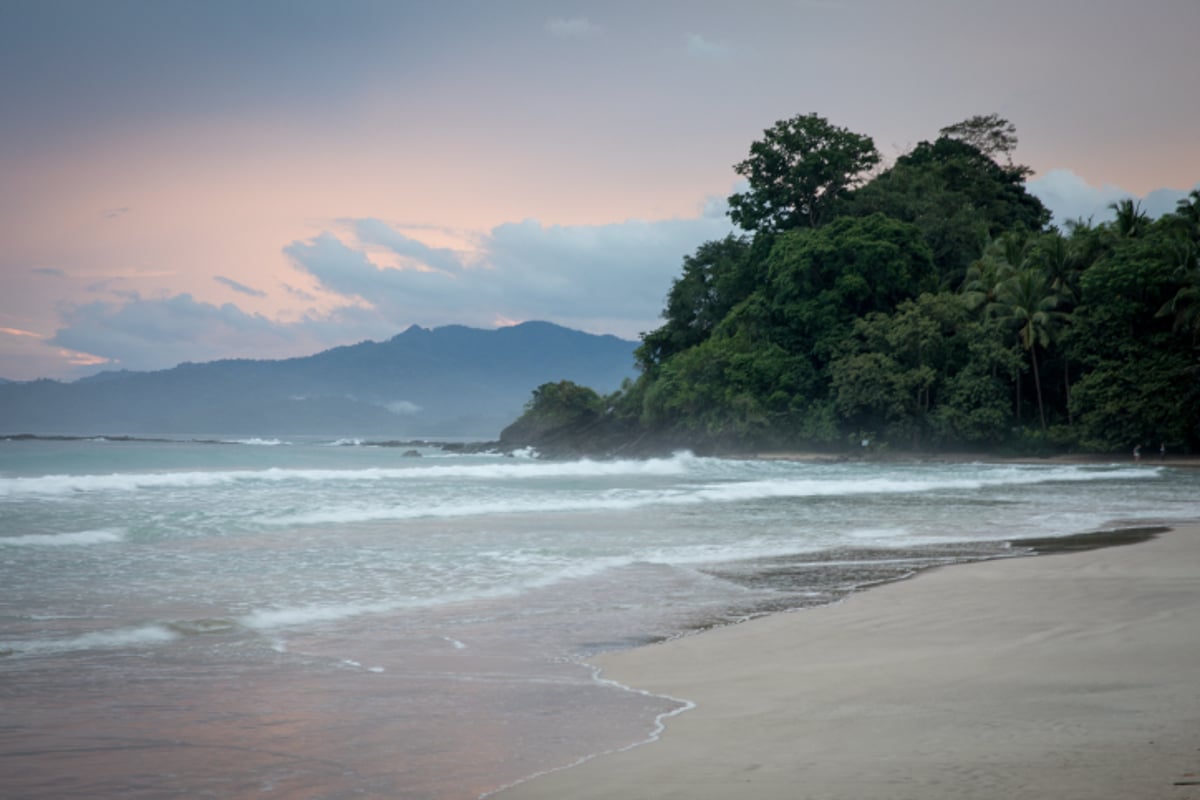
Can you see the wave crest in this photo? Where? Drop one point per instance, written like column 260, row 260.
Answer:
column 103, row 536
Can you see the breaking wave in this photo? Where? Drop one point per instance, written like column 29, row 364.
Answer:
column 103, row 536
column 515, row 470
column 684, row 495
column 142, row 636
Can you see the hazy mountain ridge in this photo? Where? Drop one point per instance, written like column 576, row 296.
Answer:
column 445, row 381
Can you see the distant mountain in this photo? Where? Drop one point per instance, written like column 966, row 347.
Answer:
column 450, row 381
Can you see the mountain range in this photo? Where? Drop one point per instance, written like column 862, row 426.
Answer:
column 451, row 381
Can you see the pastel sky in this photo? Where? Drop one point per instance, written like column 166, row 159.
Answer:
column 185, row 180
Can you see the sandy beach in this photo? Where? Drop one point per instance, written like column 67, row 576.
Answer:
column 1063, row 676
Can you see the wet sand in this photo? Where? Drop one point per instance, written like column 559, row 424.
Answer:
column 1074, row 675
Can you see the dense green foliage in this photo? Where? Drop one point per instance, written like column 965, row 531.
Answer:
column 930, row 307
column 798, row 172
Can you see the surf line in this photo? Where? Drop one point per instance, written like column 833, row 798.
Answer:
column 660, row 725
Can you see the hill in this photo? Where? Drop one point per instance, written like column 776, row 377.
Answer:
column 449, row 381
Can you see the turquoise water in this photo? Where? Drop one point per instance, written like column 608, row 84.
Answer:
column 337, row 619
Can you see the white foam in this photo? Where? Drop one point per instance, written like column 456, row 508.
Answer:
column 683, row 495
column 850, row 486
column 656, row 732
column 879, row 534
column 142, row 636
column 546, row 573
column 257, row 442
column 271, row 618
column 342, row 515
column 510, row 469
column 103, row 536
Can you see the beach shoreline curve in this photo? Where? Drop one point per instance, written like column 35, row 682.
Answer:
column 1015, row 677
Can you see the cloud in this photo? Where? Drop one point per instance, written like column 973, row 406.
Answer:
column 239, row 287
column 348, row 271
column 1070, row 197
column 24, row 353
column 700, row 47
column 19, row 332
column 154, row 333
column 50, row 271
column 603, row 278
column 611, row 278
column 114, row 213
column 400, row 407
column 300, row 293
column 372, row 231
column 574, row 28
column 617, row 271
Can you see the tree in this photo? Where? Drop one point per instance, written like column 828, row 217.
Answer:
column 797, row 172
column 990, row 134
column 715, row 279
column 1184, row 305
column 997, row 190
column 730, row 389
column 1000, row 260
column 1184, row 255
column 914, row 306
column 1028, row 301
column 954, row 227
column 1131, row 220
column 556, row 409
column 1149, row 397
column 893, row 365
column 819, row 281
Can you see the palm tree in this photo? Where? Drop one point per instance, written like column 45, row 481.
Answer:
column 1184, row 255
column 1060, row 258
column 1131, row 219
column 1063, row 261
column 1001, row 258
column 1184, row 306
column 1188, row 212
column 1028, row 302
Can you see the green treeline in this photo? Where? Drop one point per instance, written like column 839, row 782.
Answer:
column 926, row 306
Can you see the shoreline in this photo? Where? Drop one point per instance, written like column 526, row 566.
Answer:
column 1152, row 460
column 1023, row 677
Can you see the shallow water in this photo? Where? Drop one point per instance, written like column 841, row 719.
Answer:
column 321, row 619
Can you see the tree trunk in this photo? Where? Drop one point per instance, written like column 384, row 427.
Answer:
column 1037, row 383
column 1067, row 388
column 1018, row 396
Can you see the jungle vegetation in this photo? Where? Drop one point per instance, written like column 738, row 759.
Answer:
column 926, row 306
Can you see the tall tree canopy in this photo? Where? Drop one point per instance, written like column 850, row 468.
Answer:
column 931, row 306
column 714, row 280
column 990, row 134
column 797, row 172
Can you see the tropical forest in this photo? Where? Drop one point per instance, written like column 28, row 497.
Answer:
column 926, row 306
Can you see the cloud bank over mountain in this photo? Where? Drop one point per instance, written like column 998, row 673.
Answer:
column 609, row 278
column 598, row 278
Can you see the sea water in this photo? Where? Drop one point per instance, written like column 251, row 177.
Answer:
column 218, row 617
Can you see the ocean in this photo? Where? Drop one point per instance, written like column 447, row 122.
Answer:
column 214, row 617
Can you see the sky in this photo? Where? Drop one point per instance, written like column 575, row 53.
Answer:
column 188, row 180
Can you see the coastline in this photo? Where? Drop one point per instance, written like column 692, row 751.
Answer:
column 1151, row 460
column 1069, row 675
